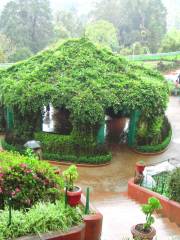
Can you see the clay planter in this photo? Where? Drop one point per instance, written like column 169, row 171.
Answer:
column 74, row 197
column 140, row 167
column 142, row 236
column 75, row 233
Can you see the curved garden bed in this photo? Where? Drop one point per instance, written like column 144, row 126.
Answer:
column 155, row 149
column 170, row 209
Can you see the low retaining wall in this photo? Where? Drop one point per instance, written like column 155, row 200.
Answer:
column 76, row 233
column 170, row 209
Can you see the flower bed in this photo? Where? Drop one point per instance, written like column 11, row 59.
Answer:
column 170, row 209
column 27, row 181
column 23, row 178
column 41, row 218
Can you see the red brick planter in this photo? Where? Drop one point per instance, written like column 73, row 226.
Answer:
column 90, row 230
column 170, row 209
column 93, row 223
column 76, row 233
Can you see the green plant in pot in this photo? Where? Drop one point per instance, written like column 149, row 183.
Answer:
column 73, row 192
column 146, row 231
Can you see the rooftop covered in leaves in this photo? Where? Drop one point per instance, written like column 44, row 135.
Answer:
column 86, row 80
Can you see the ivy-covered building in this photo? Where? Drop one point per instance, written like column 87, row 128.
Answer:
column 88, row 83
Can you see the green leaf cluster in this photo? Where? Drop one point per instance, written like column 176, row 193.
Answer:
column 41, row 218
column 148, row 209
column 70, row 175
column 85, row 80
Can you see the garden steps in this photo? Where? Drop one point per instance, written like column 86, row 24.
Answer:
column 120, row 213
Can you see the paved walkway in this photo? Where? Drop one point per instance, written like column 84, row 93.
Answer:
column 109, row 183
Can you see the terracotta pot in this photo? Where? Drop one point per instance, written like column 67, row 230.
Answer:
column 74, row 197
column 143, row 236
column 140, row 167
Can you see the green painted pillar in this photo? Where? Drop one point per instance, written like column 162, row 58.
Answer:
column 101, row 134
column 135, row 115
column 9, row 118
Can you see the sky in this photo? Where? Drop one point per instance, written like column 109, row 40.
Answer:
column 82, row 5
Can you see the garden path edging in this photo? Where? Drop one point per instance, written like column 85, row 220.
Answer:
column 55, row 163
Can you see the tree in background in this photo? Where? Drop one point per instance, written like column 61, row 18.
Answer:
column 7, row 48
column 20, row 54
column 67, row 25
column 103, row 33
column 141, row 21
column 27, row 23
column 171, row 42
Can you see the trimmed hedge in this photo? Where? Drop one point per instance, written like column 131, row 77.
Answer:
column 155, row 148
column 55, row 143
column 11, row 148
column 81, row 159
column 64, row 148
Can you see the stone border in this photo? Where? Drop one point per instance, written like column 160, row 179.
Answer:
column 170, row 209
column 56, row 163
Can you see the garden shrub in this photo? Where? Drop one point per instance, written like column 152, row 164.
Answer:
column 41, row 218
column 74, row 75
column 55, row 143
column 72, row 148
column 157, row 147
column 12, row 148
column 27, row 181
column 174, row 185
column 153, row 132
column 81, row 159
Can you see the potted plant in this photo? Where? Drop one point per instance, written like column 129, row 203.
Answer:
column 73, row 192
column 140, row 166
column 146, row 231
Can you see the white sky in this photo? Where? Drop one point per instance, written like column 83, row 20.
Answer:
column 81, row 5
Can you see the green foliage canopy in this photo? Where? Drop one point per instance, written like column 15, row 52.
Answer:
column 27, row 23
column 103, row 33
column 171, row 41
column 141, row 21
column 84, row 79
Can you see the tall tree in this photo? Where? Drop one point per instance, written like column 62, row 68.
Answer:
column 68, row 24
column 28, row 23
column 7, row 48
column 171, row 42
column 141, row 21
column 103, row 33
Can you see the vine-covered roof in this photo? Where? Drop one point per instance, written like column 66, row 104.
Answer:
column 86, row 80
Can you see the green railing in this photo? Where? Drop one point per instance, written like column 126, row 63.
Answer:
column 156, row 56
